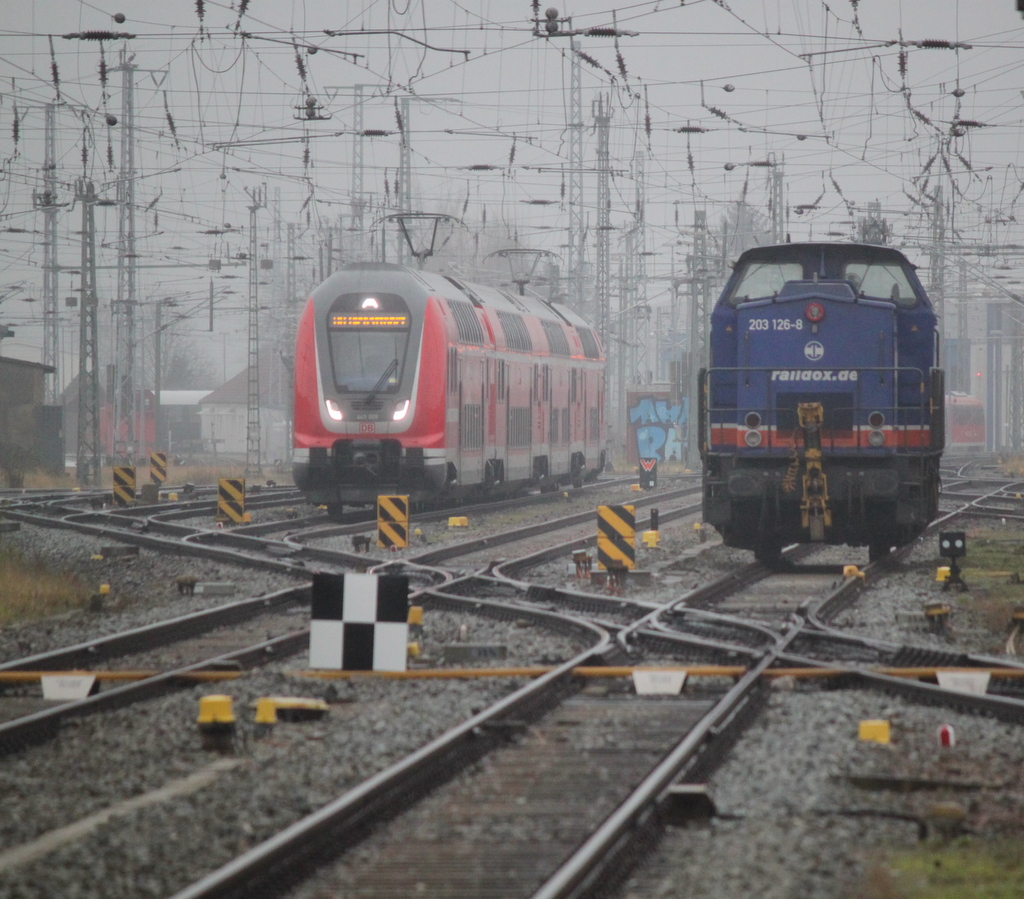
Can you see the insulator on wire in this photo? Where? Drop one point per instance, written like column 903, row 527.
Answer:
column 622, row 65
column 110, row 156
column 512, row 154
column 903, row 63
column 15, row 128
column 200, row 9
column 54, row 74
column 103, row 67
column 301, row 66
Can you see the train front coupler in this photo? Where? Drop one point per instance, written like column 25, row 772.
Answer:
column 815, row 513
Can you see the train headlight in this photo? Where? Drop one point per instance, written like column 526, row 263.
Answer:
column 815, row 312
column 752, row 438
column 752, row 420
column 876, row 419
column 334, row 410
column 877, row 438
column 400, row 411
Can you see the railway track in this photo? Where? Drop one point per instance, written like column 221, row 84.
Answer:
column 760, row 622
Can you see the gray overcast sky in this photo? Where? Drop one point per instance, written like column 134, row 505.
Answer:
column 817, row 86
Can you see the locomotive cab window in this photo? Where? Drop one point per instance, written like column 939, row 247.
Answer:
column 881, row 281
column 764, row 279
column 368, row 337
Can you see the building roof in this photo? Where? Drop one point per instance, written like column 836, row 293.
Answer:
column 274, row 384
column 183, row 397
column 7, row 360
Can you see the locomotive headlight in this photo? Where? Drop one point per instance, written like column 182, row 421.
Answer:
column 815, row 312
column 752, row 438
column 752, row 420
column 400, row 411
column 877, row 438
column 334, row 410
column 876, row 419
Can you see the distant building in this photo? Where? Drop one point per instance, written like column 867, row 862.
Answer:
column 224, row 413
column 31, row 433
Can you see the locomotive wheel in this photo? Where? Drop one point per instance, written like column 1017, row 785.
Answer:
column 334, row 511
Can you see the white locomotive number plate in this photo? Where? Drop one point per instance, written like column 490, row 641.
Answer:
column 776, row 324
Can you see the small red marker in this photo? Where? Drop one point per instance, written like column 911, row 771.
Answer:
column 946, row 735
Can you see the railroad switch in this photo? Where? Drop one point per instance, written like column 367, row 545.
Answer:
column 937, row 614
column 458, row 521
column 686, row 803
column 186, row 584
column 216, row 723
column 360, row 543
column 650, row 539
column 581, row 558
column 617, row 579
column 852, row 571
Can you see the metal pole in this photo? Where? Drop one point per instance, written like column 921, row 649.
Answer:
column 158, row 419
column 253, row 464
column 47, row 202
column 124, row 421
column 88, row 453
column 575, row 181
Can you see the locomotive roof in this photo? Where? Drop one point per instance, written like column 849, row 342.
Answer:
column 805, row 250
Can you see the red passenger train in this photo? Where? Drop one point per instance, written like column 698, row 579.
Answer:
column 410, row 382
column 965, row 423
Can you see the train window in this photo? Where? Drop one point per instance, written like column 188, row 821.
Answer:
column 501, row 378
column 556, row 338
column 881, row 281
column 536, row 383
column 453, row 370
column 573, row 387
column 565, row 426
column 764, row 279
column 547, row 382
column 553, row 429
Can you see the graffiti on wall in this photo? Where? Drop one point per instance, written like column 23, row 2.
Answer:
column 657, row 429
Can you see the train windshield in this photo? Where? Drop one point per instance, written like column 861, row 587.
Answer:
column 367, row 360
column 764, row 279
column 881, row 281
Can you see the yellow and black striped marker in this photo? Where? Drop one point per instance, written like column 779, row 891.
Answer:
column 231, row 500
column 392, row 522
column 616, row 537
column 157, row 468
column 124, row 485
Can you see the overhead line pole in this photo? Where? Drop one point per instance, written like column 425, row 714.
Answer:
column 123, row 434
column 88, row 453
column 47, row 202
column 253, row 464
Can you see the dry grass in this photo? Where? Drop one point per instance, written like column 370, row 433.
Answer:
column 1012, row 466
column 31, row 591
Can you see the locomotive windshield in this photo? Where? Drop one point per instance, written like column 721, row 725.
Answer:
column 880, row 281
column 368, row 337
column 764, row 279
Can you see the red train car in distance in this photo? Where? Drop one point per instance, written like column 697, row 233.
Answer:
column 412, row 382
column 965, row 423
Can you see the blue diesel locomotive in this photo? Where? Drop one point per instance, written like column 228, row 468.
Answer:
column 821, row 416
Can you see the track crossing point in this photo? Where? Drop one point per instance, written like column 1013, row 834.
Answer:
column 124, row 485
column 157, row 468
column 392, row 522
column 231, row 500
column 616, row 537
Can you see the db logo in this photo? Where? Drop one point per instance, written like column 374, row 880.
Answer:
column 814, row 351
column 367, row 427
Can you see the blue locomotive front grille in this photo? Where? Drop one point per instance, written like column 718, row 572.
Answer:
column 844, row 361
